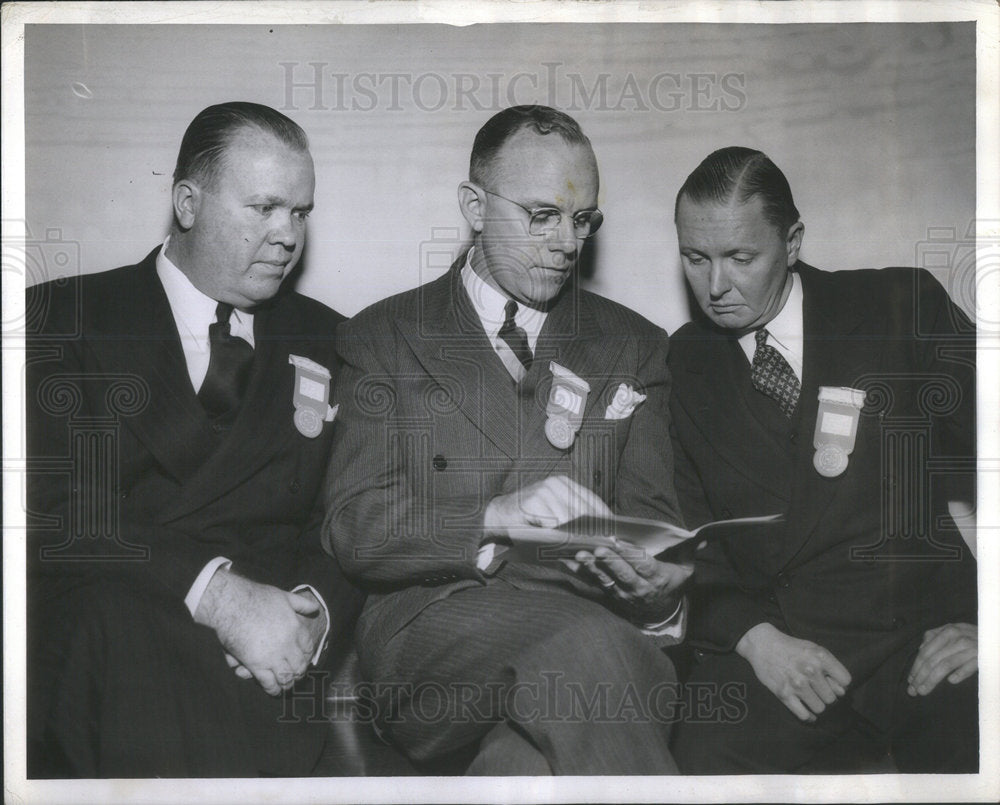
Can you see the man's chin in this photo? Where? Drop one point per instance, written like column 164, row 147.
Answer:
column 728, row 320
column 544, row 297
column 260, row 293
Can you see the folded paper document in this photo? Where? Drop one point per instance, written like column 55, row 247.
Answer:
column 628, row 534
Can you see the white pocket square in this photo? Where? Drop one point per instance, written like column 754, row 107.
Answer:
column 624, row 403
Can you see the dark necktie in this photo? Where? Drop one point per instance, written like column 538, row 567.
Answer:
column 771, row 375
column 228, row 367
column 514, row 336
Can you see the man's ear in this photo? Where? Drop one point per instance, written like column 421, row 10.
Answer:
column 794, row 241
column 472, row 200
column 186, row 197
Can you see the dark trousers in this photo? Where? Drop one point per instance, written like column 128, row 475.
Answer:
column 123, row 683
column 933, row 733
column 542, row 681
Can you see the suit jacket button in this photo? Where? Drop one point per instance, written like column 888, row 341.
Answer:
column 218, row 427
column 440, row 462
column 123, row 494
column 793, row 437
column 294, row 486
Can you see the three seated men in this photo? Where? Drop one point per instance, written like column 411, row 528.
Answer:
column 499, row 397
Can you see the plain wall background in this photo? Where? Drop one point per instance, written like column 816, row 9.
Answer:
column 874, row 125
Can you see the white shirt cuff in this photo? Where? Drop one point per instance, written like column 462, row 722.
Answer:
column 193, row 598
column 326, row 614
column 671, row 627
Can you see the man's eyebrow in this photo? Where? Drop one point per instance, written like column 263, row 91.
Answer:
column 551, row 205
column 276, row 201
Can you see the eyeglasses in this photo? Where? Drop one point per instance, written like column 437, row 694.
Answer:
column 543, row 220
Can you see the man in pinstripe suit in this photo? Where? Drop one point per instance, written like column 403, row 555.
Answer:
column 448, row 440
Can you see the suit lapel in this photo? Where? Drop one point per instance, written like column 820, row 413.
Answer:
column 448, row 340
column 716, row 389
column 828, row 324
column 138, row 336
column 573, row 337
column 264, row 422
column 451, row 345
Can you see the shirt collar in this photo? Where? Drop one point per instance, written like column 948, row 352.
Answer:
column 786, row 327
column 194, row 311
column 785, row 331
column 489, row 304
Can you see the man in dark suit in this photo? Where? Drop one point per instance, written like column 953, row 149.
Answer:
column 178, row 429
column 502, row 396
column 845, row 401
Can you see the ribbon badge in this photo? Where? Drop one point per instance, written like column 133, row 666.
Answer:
column 311, row 396
column 836, row 428
column 567, row 399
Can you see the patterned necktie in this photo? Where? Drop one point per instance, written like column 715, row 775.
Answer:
column 228, row 367
column 514, row 336
column 771, row 375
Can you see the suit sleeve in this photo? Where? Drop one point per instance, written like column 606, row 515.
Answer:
column 720, row 612
column 323, row 573
column 946, row 346
column 76, row 529
column 644, row 486
column 383, row 527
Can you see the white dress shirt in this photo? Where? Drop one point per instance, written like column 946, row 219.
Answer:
column 784, row 331
column 194, row 313
column 489, row 305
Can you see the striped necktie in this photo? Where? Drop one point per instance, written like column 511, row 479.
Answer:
column 515, row 337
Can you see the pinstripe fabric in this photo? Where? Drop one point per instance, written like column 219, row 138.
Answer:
column 588, row 690
column 431, row 429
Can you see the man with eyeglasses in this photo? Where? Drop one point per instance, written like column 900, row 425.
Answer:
column 498, row 397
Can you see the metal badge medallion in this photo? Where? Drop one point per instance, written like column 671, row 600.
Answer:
column 836, row 428
column 311, row 396
column 567, row 399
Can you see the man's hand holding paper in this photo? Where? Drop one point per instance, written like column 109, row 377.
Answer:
column 648, row 586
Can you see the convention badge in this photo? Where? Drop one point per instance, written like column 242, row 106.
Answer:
column 836, row 428
column 567, row 399
column 311, row 396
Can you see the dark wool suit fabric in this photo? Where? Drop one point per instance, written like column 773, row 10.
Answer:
column 122, row 682
column 866, row 561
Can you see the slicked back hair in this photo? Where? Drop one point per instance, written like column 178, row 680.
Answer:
column 741, row 173
column 209, row 135
column 503, row 125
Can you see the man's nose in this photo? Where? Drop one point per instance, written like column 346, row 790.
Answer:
column 563, row 238
column 285, row 232
column 718, row 281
